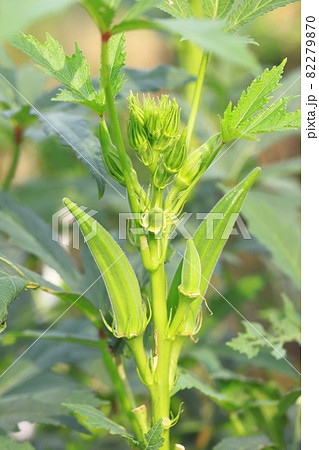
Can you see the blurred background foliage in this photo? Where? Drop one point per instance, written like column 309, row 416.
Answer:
column 260, row 276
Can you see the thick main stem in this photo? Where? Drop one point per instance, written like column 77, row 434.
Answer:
column 160, row 390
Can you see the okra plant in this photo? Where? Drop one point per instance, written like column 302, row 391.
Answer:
column 157, row 137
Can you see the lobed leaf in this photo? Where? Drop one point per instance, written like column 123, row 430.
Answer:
column 283, row 329
column 238, row 120
column 153, row 438
column 247, row 10
column 73, row 72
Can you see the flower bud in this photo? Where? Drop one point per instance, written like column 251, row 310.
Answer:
column 174, row 158
column 111, row 157
column 136, row 108
column 170, row 117
column 161, row 177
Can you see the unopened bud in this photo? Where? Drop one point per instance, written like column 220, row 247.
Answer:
column 161, row 177
column 171, row 119
column 111, row 157
column 175, row 157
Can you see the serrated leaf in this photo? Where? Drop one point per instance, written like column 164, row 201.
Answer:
column 153, row 438
column 94, row 418
column 74, row 132
column 73, row 72
column 186, row 380
column 210, row 36
column 236, row 119
column 284, row 327
column 254, row 442
column 274, row 118
column 10, row 444
column 216, row 8
column 177, row 8
column 247, row 10
column 116, row 59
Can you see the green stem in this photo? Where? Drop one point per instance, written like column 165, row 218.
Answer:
column 108, row 96
column 160, row 390
column 125, row 397
column 296, row 437
column 14, row 163
column 196, row 98
column 177, row 345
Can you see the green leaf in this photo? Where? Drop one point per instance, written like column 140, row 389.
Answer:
column 274, row 118
column 32, row 234
column 93, row 418
column 73, row 132
column 177, row 8
column 153, row 438
column 270, row 221
column 216, row 8
column 247, row 10
column 140, row 7
column 210, row 238
column 119, row 277
column 73, row 72
column 284, row 327
column 186, row 380
column 10, row 288
column 238, row 120
column 210, row 36
column 254, row 442
column 10, row 444
column 116, row 59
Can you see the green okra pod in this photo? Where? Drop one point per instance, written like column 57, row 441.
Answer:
column 129, row 311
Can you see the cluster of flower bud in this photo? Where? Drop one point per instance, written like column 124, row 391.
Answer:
column 153, row 126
